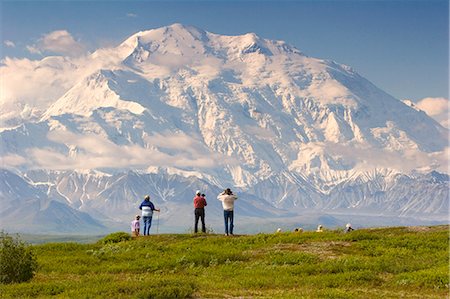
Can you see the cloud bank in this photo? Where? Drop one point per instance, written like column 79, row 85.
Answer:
column 94, row 151
column 367, row 158
column 58, row 42
column 33, row 83
column 39, row 83
column 437, row 108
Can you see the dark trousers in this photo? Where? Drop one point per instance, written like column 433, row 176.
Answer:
column 228, row 216
column 200, row 213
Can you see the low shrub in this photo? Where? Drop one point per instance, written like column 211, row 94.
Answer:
column 17, row 261
column 169, row 289
column 115, row 238
column 436, row 278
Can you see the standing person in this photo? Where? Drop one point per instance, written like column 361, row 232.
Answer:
column 199, row 212
column 348, row 228
column 147, row 208
column 135, row 226
column 228, row 198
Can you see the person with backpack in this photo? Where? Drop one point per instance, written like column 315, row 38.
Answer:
column 199, row 210
column 147, row 208
column 228, row 198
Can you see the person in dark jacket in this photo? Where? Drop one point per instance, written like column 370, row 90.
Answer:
column 199, row 210
column 147, row 208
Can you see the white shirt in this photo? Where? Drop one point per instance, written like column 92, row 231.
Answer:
column 227, row 201
column 147, row 211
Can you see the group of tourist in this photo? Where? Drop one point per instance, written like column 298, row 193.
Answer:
column 226, row 197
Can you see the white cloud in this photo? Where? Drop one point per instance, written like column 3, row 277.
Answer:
column 131, row 15
column 438, row 108
column 95, row 151
column 12, row 160
column 58, row 42
column 39, row 83
column 34, row 83
column 9, row 44
column 367, row 158
column 433, row 106
column 33, row 50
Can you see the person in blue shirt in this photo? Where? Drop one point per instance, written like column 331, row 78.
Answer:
column 147, row 209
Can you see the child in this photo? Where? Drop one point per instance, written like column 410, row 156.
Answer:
column 135, row 226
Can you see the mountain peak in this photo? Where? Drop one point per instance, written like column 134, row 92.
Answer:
column 160, row 35
column 189, row 41
column 259, row 102
column 178, row 27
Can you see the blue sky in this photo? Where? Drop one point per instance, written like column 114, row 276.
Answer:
column 401, row 46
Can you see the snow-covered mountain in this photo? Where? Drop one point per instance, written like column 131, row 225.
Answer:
column 187, row 109
column 25, row 206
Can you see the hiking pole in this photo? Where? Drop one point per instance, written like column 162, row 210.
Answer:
column 157, row 225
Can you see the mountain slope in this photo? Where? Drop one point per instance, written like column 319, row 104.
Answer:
column 195, row 107
column 25, row 208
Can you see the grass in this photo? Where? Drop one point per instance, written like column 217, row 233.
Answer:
column 374, row 263
column 42, row 239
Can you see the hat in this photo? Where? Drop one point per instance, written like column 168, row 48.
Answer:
column 198, row 192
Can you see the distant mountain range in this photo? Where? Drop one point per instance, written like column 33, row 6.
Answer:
column 176, row 109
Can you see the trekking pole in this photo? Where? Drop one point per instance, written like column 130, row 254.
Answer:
column 157, row 225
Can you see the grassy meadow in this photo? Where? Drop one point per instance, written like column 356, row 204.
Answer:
column 402, row 262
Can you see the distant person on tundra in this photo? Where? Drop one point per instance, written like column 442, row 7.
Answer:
column 199, row 210
column 319, row 228
column 228, row 198
column 135, row 226
column 348, row 228
column 147, row 208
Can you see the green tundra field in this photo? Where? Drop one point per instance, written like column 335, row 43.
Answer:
column 401, row 262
